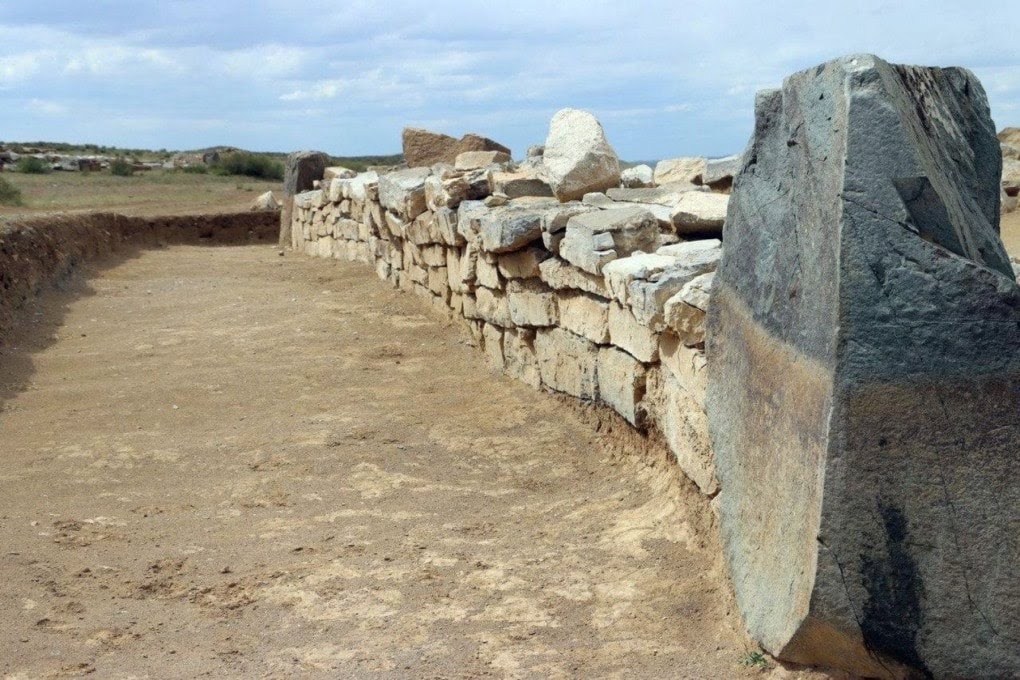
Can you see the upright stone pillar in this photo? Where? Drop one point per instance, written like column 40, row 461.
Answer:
column 864, row 394
column 301, row 169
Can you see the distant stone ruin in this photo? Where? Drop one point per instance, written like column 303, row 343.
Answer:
column 863, row 364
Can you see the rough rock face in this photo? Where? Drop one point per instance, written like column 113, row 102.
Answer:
column 864, row 398
column 688, row 169
column 578, row 159
column 265, row 202
column 424, row 148
column 301, row 169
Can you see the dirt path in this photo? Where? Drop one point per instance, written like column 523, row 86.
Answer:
column 219, row 462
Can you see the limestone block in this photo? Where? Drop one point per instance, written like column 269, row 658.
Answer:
column 423, row 230
column 403, row 191
column 626, row 333
column 492, row 339
column 637, row 177
column 531, row 303
column 338, row 172
column 469, row 219
column 667, row 195
column 567, row 363
column 561, row 275
column 681, row 419
column 578, row 159
column 719, row 172
column 585, row 315
column 510, row 228
column 492, row 306
column 622, row 384
column 433, row 255
column 520, row 359
column 864, row 344
column 487, row 273
column 445, row 193
column 476, row 160
column 475, row 142
column 424, row 148
column 687, row 169
column 522, row 264
column 700, row 213
column 596, row 238
column 519, row 184
column 438, row 282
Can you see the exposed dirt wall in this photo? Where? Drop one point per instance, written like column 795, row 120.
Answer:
column 40, row 251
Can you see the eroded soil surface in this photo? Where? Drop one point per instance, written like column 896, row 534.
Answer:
column 220, row 462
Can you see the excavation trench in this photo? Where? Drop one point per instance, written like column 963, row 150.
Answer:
column 223, row 461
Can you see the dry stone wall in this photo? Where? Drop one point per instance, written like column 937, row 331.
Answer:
column 596, row 298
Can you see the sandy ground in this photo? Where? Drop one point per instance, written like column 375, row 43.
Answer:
column 220, row 462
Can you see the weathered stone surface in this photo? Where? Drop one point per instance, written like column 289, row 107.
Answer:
column 491, row 306
column 596, row 238
column 492, row 346
column 637, row 177
column 522, row 264
column 585, row 315
column 622, row 384
column 265, row 203
column 864, row 396
column 1011, row 177
column 476, row 160
column 578, row 159
column 475, row 142
column 719, row 172
column 531, row 303
column 511, row 227
column 675, row 398
column 563, row 276
column 668, row 194
column 519, row 357
column 1009, row 151
column 338, row 172
column 403, row 191
column 688, row 169
column 519, row 184
column 700, row 213
column 424, row 148
column 301, row 169
column 445, row 193
column 487, row 272
column 629, row 334
column 568, row 363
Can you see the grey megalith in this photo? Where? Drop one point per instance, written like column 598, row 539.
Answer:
column 299, row 172
column 864, row 394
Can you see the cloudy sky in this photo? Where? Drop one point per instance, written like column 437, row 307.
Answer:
column 344, row 76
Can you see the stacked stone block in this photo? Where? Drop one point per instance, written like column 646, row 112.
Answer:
column 567, row 296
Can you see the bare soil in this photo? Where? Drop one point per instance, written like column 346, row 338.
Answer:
column 157, row 192
column 220, row 462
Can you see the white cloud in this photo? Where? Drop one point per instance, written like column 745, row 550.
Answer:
column 43, row 107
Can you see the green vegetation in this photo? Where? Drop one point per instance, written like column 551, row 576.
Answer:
column 121, row 168
column 9, row 194
column 249, row 165
column 756, row 660
column 361, row 163
column 196, row 169
column 30, row 165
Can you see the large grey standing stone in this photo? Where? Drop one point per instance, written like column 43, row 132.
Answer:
column 299, row 172
column 578, row 159
column 864, row 395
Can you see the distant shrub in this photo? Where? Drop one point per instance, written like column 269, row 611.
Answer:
column 9, row 194
column 196, row 169
column 121, row 168
column 249, row 165
column 30, row 165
